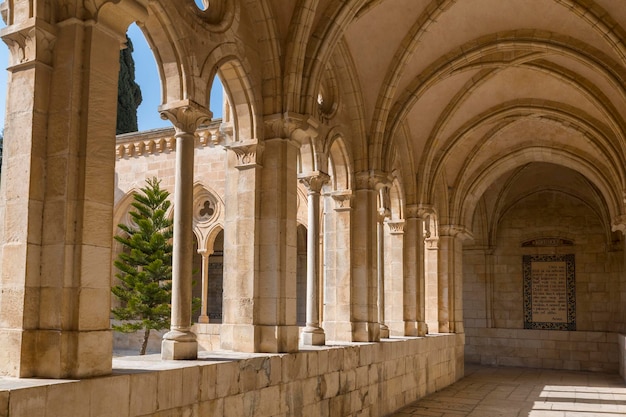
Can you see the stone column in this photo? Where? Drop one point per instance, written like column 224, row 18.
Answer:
column 364, row 286
column 414, row 288
column 394, row 274
column 57, row 189
column 431, row 274
column 380, row 270
column 241, row 260
column 313, row 334
column 204, row 318
column 489, row 275
column 337, row 265
column 186, row 115
column 276, row 309
column 451, row 279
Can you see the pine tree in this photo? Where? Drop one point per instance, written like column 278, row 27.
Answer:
column 128, row 92
column 145, row 265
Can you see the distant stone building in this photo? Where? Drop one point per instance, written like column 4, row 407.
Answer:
column 397, row 187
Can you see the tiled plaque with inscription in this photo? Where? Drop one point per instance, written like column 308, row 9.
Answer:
column 549, row 292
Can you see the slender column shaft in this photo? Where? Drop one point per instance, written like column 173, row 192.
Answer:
column 312, row 310
column 204, row 318
column 312, row 333
column 182, row 259
column 384, row 330
column 180, row 341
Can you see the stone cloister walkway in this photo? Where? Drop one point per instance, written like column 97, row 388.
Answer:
column 510, row 392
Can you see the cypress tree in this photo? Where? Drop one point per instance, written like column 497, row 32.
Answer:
column 128, row 92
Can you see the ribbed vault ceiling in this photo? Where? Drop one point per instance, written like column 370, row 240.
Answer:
column 480, row 88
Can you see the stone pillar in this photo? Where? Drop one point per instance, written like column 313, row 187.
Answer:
column 489, row 276
column 186, row 115
column 313, row 334
column 380, row 270
column 57, row 190
column 414, row 285
column 204, row 317
column 260, row 244
column 394, row 274
column 337, row 265
column 431, row 274
column 241, row 260
column 276, row 309
column 364, row 286
column 451, row 279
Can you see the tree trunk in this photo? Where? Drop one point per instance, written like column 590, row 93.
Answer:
column 144, row 345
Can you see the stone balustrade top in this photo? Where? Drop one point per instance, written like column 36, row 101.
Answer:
column 161, row 140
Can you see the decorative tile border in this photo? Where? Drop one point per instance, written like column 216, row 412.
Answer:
column 570, row 276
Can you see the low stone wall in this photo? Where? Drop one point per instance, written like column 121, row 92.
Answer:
column 369, row 379
column 549, row 349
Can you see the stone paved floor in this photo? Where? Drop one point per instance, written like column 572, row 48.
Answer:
column 509, row 392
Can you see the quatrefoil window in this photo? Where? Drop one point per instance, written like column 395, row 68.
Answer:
column 207, row 209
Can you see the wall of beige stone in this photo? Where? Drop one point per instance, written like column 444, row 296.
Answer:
column 493, row 289
column 137, row 164
column 548, row 349
column 371, row 379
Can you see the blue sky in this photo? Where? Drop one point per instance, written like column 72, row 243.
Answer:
column 146, row 75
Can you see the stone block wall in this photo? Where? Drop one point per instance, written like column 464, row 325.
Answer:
column 549, row 349
column 494, row 295
column 372, row 379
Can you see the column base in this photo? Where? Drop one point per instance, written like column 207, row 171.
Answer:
column 203, row 319
column 363, row 331
column 384, row 331
column 255, row 338
column 55, row 354
column 422, row 329
column 313, row 336
column 179, row 345
column 411, row 328
column 444, row 327
column 458, row 327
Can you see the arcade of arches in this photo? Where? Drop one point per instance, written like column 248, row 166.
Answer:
column 396, row 187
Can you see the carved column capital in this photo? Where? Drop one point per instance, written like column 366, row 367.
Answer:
column 372, row 180
column 186, row 115
column 455, row 231
column 412, row 212
column 248, row 152
column 396, row 227
column 313, row 181
column 426, row 210
column 29, row 45
column 343, row 199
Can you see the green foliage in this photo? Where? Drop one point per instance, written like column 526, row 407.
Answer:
column 145, row 265
column 128, row 92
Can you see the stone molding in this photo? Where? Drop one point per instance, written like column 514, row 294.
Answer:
column 157, row 141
